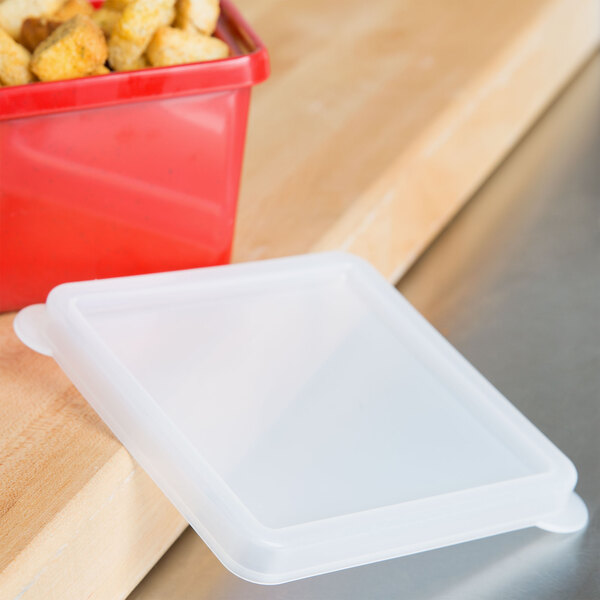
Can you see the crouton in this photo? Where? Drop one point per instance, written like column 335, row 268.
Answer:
column 35, row 30
column 134, row 30
column 73, row 7
column 201, row 15
column 139, row 63
column 14, row 61
column 14, row 12
column 116, row 4
column 171, row 46
column 106, row 19
column 75, row 49
column 102, row 70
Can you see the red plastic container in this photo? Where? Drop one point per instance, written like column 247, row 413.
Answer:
column 124, row 173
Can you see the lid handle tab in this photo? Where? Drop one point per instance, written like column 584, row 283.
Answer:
column 30, row 325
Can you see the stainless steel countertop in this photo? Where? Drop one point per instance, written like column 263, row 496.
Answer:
column 514, row 284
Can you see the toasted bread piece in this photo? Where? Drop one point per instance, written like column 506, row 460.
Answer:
column 106, row 19
column 116, row 4
column 201, row 15
column 140, row 63
column 76, row 48
column 35, row 30
column 73, row 7
column 14, row 12
column 171, row 46
column 14, row 61
column 102, row 70
column 134, row 30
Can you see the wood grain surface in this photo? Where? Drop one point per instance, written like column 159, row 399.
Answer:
column 378, row 122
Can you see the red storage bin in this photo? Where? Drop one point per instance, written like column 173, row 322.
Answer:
column 124, row 173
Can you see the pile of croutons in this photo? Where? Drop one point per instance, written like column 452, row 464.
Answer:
column 49, row 40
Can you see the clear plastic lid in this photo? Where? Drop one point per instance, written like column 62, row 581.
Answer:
column 301, row 415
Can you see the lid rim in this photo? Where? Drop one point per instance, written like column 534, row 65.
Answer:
column 265, row 552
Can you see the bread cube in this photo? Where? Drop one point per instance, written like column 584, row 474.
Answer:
column 134, row 30
column 106, row 19
column 73, row 7
column 14, row 61
column 171, row 46
column 35, row 30
column 77, row 48
column 102, row 70
column 201, row 15
column 14, row 12
column 116, row 4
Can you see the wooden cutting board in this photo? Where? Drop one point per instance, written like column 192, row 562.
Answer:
column 379, row 121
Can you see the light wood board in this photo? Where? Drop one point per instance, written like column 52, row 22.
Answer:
column 379, row 121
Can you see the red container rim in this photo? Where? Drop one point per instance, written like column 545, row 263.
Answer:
column 248, row 66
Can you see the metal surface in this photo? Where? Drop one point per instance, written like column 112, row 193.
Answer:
column 514, row 284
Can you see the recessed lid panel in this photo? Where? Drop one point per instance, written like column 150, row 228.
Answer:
column 301, row 414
